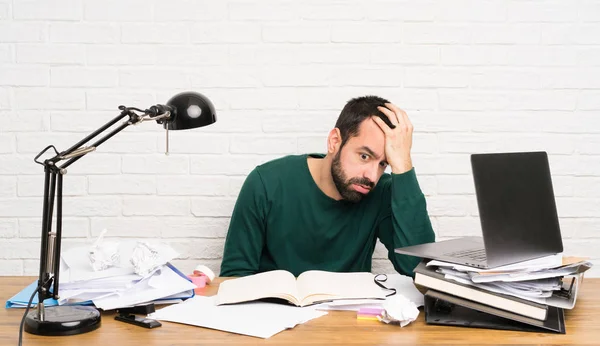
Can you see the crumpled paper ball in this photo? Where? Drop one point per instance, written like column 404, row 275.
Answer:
column 104, row 255
column 398, row 309
column 145, row 258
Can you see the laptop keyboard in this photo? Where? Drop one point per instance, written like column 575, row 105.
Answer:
column 476, row 254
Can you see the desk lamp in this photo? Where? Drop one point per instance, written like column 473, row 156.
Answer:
column 183, row 111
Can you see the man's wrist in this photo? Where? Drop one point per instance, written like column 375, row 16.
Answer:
column 402, row 167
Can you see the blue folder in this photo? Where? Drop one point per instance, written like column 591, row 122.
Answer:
column 21, row 299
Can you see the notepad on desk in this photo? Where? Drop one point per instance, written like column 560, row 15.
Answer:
column 309, row 288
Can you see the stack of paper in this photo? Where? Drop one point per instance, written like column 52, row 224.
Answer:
column 257, row 319
column 540, row 280
column 165, row 283
column 116, row 286
column 119, row 285
column 403, row 285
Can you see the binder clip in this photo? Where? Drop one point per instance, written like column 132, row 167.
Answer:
column 565, row 292
column 127, row 315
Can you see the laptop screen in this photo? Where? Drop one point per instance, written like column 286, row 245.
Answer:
column 516, row 205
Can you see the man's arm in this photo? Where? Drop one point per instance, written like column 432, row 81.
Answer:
column 408, row 222
column 246, row 234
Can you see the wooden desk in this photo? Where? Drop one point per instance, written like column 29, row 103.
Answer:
column 336, row 328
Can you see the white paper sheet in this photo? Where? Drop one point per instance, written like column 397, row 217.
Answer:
column 552, row 261
column 76, row 265
column 349, row 304
column 112, row 282
column 564, row 301
column 158, row 286
column 79, row 296
column 534, row 275
column 404, row 286
column 257, row 319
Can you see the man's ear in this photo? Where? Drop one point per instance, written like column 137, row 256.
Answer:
column 334, row 141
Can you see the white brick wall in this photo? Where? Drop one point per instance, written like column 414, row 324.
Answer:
column 473, row 75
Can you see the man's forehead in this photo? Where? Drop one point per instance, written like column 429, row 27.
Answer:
column 369, row 136
column 369, row 130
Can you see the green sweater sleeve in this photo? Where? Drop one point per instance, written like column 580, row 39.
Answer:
column 407, row 223
column 246, row 235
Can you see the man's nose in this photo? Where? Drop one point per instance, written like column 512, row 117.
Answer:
column 371, row 173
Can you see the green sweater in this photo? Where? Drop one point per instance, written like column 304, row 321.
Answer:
column 282, row 220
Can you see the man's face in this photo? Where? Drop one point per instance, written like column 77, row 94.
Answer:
column 358, row 165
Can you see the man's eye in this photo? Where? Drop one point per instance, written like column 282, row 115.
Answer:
column 383, row 164
column 364, row 157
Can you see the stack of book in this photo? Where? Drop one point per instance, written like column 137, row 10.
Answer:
column 527, row 296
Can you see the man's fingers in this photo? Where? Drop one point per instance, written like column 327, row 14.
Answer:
column 406, row 120
column 402, row 116
column 382, row 125
column 393, row 107
column 391, row 115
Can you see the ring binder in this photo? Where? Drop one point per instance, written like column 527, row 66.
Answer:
column 444, row 309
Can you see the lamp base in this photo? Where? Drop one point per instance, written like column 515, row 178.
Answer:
column 63, row 320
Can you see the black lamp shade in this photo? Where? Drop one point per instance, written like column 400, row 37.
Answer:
column 191, row 110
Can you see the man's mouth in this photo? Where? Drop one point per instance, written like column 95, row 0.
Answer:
column 361, row 188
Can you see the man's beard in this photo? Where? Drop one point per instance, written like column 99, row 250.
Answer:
column 344, row 185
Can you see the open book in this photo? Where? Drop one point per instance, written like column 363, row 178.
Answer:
column 310, row 287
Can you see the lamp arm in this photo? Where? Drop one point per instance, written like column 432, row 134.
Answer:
column 103, row 128
column 95, row 145
column 53, row 187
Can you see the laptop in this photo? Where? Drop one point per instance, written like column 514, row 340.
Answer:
column 517, row 211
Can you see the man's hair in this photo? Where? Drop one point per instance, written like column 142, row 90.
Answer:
column 356, row 111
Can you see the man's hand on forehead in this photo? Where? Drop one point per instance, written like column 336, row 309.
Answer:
column 398, row 137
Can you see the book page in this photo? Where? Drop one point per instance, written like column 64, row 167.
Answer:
column 271, row 284
column 316, row 285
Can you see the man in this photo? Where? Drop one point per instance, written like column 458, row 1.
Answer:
column 326, row 212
